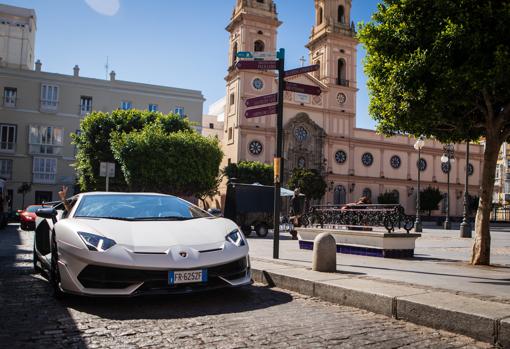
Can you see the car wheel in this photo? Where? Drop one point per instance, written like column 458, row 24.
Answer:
column 246, row 229
column 54, row 271
column 262, row 229
column 37, row 269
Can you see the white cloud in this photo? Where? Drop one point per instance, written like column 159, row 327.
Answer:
column 104, row 7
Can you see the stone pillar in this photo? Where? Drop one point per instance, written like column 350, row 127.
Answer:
column 38, row 65
column 324, row 253
column 76, row 71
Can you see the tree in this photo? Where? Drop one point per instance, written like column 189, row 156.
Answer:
column 309, row 182
column 93, row 142
column 180, row 163
column 388, row 198
column 440, row 69
column 23, row 189
column 430, row 199
column 250, row 172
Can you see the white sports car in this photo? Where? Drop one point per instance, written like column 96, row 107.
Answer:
column 127, row 244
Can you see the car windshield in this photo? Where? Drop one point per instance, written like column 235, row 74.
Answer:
column 33, row 208
column 137, row 207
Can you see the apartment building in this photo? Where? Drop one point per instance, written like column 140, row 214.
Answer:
column 40, row 110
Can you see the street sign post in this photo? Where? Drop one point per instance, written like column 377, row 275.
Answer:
column 302, row 70
column 267, row 99
column 107, row 169
column 258, row 65
column 254, row 113
column 300, row 88
column 264, row 55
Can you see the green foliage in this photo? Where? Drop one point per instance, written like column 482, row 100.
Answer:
column 250, row 172
column 93, row 142
column 430, row 199
column 439, row 68
column 388, row 198
column 309, row 182
column 181, row 163
column 24, row 188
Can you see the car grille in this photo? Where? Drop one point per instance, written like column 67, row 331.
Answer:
column 93, row 276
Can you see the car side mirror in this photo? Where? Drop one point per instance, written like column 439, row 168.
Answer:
column 47, row 212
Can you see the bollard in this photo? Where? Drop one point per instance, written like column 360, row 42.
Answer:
column 324, row 253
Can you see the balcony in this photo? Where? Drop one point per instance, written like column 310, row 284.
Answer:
column 342, row 82
column 43, row 149
column 49, row 105
column 9, row 101
column 44, row 178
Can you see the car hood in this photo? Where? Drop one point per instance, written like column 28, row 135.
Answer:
column 159, row 236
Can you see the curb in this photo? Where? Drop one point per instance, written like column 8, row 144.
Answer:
column 482, row 320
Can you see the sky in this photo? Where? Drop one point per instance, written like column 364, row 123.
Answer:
column 167, row 42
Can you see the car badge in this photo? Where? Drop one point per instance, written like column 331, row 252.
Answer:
column 183, row 254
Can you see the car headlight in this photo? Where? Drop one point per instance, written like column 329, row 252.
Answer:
column 236, row 237
column 96, row 242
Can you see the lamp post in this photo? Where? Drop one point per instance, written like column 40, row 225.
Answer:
column 447, row 158
column 417, row 224
column 465, row 226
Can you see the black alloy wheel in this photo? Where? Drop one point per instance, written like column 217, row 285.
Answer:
column 262, row 229
column 246, row 229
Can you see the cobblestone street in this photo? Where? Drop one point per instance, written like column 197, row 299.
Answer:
column 249, row 317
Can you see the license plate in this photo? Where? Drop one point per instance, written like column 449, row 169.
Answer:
column 187, row 276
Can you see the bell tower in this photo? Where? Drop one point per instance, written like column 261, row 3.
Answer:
column 332, row 45
column 253, row 27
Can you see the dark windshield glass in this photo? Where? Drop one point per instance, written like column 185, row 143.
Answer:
column 33, row 208
column 137, row 207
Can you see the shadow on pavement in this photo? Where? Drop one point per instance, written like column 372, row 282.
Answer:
column 29, row 316
column 234, row 300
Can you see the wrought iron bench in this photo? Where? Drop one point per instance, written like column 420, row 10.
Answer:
column 359, row 217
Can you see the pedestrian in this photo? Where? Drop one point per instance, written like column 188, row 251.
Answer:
column 296, row 211
column 63, row 197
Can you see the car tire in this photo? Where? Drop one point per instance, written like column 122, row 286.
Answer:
column 54, row 276
column 262, row 230
column 246, row 229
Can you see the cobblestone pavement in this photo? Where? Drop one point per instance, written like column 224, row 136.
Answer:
column 248, row 317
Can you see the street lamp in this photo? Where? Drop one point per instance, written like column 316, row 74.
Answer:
column 447, row 158
column 465, row 226
column 417, row 224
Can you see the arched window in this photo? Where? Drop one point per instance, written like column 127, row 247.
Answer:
column 261, row 1
column 341, row 14
column 341, row 73
column 367, row 193
column 340, row 195
column 234, row 53
column 258, row 46
column 320, row 14
column 317, row 73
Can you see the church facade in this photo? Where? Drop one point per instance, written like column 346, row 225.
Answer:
column 320, row 131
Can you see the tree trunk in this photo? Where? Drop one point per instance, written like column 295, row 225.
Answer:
column 482, row 244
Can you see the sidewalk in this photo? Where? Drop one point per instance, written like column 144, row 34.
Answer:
column 437, row 288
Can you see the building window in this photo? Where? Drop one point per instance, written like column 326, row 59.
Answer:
column 320, row 15
column 49, row 97
column 367, row 159
column 85, row 105
column 340, row 195
column 211, row 125
column 421, row 164
column 230, row 134
column 126, row 105
column 44, row 170
column 10, row 97
column 153, row 107
column 7, row 137
column 6, row 168
column 234, row 53
column 258, row 46
column 342, row 81
column 255, row 147
column 341, row 14
column 367, row 193
column 179, row 111
column 317, row 73
column 232, row 99
column 46, row 140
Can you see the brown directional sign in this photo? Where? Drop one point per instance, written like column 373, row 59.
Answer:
column 300, row 88
column 253, row 102
column 254, row 113
column 302, row 70
column 258, row 65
